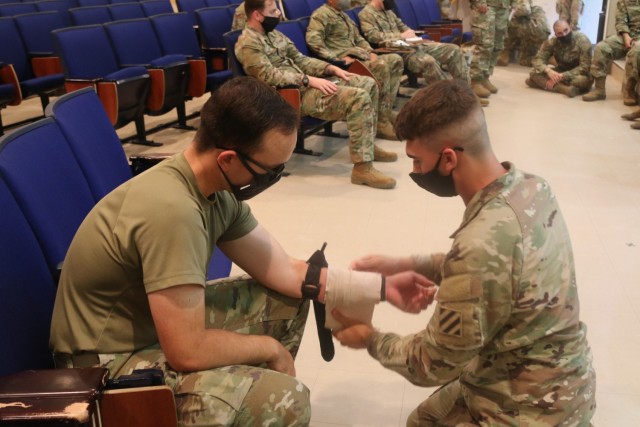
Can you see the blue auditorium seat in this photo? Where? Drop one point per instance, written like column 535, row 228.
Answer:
column 27, row 292
column 92, row 139
column 12, row 9
column 60, row 6
column 156, row 7
column 89, row 60
column 40, row 169
column 213, row 22
column 294, row 9
column 135, row 43
column 120, row 11
column 89, row 15
column 35, row 30
column 176, row 36
column 86, row 3
column 20, row 71
column 190, row 6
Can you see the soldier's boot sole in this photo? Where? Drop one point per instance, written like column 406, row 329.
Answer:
column 365, row 174
column 480, row 90
column 503, row 59
column 595, row 95
column 380, row 155
column 629, row 92
column 635, row 125
column 629, row 102
column 530, row 83
column 489, row 86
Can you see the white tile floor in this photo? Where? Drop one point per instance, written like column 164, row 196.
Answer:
column 589, row 155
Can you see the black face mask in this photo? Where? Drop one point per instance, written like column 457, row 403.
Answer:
column 270, row 23
column 388, row 4
column 260, row 182
column 433, row 182
column 565, row 39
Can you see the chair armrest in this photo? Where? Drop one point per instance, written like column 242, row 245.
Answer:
column 291, row 95
column 136, row 65
column 51, row 395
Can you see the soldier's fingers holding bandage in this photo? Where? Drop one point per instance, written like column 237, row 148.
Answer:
column 410, row 291
column 354, row 334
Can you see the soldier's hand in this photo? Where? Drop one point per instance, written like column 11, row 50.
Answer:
column 282, row 361
column 408, row 34
column 382, row 264
column 343, row 74
column 373, row 57
column 410, row 292
column 347, row 59
column 323, row 85
column 354, row 334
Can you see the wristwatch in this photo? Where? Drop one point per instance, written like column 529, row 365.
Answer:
column 305, row 81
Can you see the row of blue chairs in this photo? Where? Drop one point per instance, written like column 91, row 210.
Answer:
column 148, row 65
column 190, row 7
column 131, row 10
column 52, row 172
column 26, row 72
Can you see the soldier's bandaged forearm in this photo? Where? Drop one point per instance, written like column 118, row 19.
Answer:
column 354, row 293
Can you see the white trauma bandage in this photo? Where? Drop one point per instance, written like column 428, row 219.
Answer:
column 354, row 293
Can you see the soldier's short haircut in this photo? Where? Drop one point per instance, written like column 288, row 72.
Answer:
column 251, row 5
column 240, row 112
column 434, row 108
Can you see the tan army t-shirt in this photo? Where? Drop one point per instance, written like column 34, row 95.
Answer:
column 153, row 232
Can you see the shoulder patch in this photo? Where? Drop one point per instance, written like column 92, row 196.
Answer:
column 450, row 322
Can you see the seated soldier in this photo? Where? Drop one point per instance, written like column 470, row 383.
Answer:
column 269, row 55
column 528, row 29
column 382, row 27
column 333, row 36
column 572, row 52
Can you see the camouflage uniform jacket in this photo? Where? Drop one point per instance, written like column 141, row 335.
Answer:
column 628, row 17
column 380, row 26
column 274, row 59
column 331, row 35
column 573, row 59
column 501, row 4
column 239, row 18
column 506, row 324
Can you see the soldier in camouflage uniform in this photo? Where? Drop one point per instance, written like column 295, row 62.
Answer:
column 489, row 21
column 528, row 29
column 333, row 36
column 570, row 11
column 615, row 47
column 274, row 59
column 381, row 27
column 505, row 341
column 571, row 51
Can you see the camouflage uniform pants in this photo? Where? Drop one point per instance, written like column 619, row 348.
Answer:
column 610, row 49
column 429, row 58
column 489, row 30
column 444, row 408
column 583, row 83
column 527, row 34
column 388, row 70
column 236, row 395
column 355, row 102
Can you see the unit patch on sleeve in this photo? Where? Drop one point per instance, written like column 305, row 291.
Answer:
column 450, row 322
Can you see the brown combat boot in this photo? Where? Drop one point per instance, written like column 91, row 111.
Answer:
column 530, row 83
column 598, row 92
column 504, row 58
column 381, row 155
column 489, row 86
column 631, row 116
column 629, row 92
column 635, row 125
column 479, row 89
column 570, row 91
column 365, row 174
column 385, row 130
